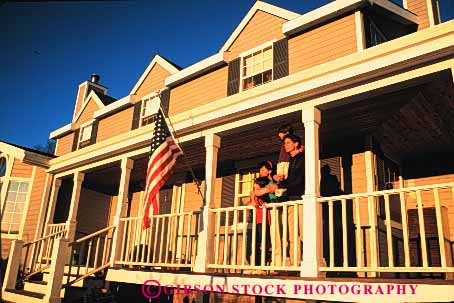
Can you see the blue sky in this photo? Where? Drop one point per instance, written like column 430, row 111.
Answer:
column 49, row 48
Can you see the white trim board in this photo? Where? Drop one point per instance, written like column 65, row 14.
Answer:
column 157, row 59
column 197, row 68
column 339, row 7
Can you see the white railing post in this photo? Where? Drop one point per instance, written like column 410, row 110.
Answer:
column 74, row 206
column 312, row 236
column 56, row 271
column 13, row 265
column 123, row 190
column 52, row 203
column 205, row 251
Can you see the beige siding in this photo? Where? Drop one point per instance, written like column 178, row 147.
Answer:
column 419, row 7
column 322, row 44
column 153, row 81
column 87, row 113
column 135, row 204
column 115, row 124
column 80, row 97
column 21, row 169
column 34, row 205
column 93, row 212
column 192, row 199
column 263, row 27
column 65, row 144
column 200, row 91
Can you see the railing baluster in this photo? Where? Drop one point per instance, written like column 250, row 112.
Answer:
column 88, row 256
column 162, row 238
column 123, row 241
column 226, row 240
column 96, row 252
column 235, row 235
column 173, row 237
column 263, row 246
column 344, row 232
column 285, row 235
column 180, row 238
column 359, row 244
column 155, row 244
column 188, row 243
column 243, row 255
column 373, row 231
column 254, row 223
column 422, row 230
column 441, row 237
column 389, row 232
column 150, row 237
column 403, row 211
column 218, row 231
column 331, row 233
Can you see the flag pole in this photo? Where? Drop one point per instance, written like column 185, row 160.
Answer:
column 175, row 138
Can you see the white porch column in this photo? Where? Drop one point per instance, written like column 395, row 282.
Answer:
column 312, row 237
column 52, row 203
column 123, row 190
column 205, row 247
column 74, row 206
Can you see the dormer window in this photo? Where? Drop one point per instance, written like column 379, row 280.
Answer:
column 374, row 36
column 150, row 107
column 257, row 67
column 85, row 134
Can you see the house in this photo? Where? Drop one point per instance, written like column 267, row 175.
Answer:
column 369, row 87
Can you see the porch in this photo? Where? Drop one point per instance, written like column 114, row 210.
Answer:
column 384, row 216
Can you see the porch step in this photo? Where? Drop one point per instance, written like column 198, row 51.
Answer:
column 14, row 295
column 39, row 287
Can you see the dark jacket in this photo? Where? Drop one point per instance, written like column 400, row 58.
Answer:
column 295, row 180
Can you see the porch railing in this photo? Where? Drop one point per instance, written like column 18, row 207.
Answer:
column 243, row 244
column 389, row 230
column 170, row 241
column 38, row 253
column 54, row 228
column 89, row 255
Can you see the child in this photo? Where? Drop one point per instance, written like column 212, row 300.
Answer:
column 260, row 196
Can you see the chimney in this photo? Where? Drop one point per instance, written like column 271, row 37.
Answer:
column 94, row 78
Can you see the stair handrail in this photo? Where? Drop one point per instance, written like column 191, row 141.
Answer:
column 37, row 248
column 77, row 251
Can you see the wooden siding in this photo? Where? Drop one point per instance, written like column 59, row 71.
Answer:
column 115, row 124
column 153, row 81
column 322, row 44
column 263, row 27
column 446, row 199
column 6, row 245
column 419, row 7
column 34, row 206
column 200, row 91
column 93, row 212
column 81, row 93
column 87, row 113
column 135, row 204
column 21, row 169
column 65, row 144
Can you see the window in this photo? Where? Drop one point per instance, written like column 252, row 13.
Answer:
column 2, row 167
column 244, row 186
column 14, row 207
column 373, row 34
column 150, row 108
column 85, row 134
column 257, row 68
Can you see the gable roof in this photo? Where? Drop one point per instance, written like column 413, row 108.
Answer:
column 92, row 95
column 157, row 59
column 264, row 7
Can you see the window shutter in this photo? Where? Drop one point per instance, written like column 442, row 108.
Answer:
column 280, row 59
column 75, row 140
column 233, row 84
column 94, row 132
column 165, row 99
column 136, row 115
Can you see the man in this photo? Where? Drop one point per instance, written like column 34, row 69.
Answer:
column 294, row 185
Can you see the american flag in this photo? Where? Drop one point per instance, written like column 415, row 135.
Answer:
column 163, row 155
